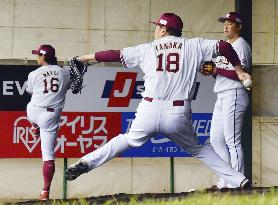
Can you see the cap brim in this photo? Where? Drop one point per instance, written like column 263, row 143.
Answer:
column 153, row 22
column 158, row 24
column 222, row 19
column 35, row 52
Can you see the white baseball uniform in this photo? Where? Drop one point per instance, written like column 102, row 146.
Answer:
column 48, row 86
column 227, row 120
column 170, row 66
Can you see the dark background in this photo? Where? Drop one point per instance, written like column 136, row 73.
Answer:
column 15, row 102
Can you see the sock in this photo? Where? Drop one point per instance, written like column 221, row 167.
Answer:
column 48, row 172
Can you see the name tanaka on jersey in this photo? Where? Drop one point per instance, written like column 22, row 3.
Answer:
column 168, row 45
column 50, row 73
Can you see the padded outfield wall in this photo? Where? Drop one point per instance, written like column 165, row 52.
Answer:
column 100, row 25
column 103, row 24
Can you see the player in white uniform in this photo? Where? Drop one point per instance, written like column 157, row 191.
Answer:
column 232, row 99
column 48, row 86
column 170, row 66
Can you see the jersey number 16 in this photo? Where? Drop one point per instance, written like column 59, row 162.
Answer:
column 54, row 86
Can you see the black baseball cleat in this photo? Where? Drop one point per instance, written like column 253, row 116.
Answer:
column 76, row 170
column 245, row 184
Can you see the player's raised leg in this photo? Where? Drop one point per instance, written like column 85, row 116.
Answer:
column 98, row 157
column 140, row 131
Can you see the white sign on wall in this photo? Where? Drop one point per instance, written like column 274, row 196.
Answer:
column 115, row 89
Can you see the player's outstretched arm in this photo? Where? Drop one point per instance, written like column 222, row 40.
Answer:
column 209, row 68
column 102, row 56
column 229, row 53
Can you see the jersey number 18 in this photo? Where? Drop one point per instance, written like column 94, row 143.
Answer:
column 171, row 59
column 54, row 86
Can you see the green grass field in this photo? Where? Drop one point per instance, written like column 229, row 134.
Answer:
column 266, row 198
column 226, row 199
column 256, row 196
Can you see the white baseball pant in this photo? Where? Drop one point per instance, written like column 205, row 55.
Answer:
column 226, row 126
column 173, row 121
column 48, row 120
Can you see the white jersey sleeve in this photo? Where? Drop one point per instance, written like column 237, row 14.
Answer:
column 66, row 73
column 244, row 54
column 29, row 84
column 209, row 48
column 132, row 57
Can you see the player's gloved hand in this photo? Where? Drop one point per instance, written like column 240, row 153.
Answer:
column 77, row 71
column 207, row 68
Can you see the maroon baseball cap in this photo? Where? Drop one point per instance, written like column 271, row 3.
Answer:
column 232, row 16
column 169, row 20
column 44, row 50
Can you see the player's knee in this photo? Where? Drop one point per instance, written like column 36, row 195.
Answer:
column 231, row 143
column 234, row 145
column 214, row 138
column 134, row 142
column 217, row 141
column 213, row 141
column 47, row 156
column 193, row 149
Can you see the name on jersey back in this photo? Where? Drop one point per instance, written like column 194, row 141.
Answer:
column 51, row 73
column 169, row 45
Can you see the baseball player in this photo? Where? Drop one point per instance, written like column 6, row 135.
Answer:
column 170, row 66
column 48, row 86
column 232, row 99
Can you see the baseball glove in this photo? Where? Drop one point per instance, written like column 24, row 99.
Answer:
column 207, row 68
column 77, row 71
column 35, row 129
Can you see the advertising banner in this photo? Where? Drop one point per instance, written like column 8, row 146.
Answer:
column 105, row 108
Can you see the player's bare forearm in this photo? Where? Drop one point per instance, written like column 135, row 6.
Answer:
column 239, row 69
column 242, row 75
column 86, row 58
